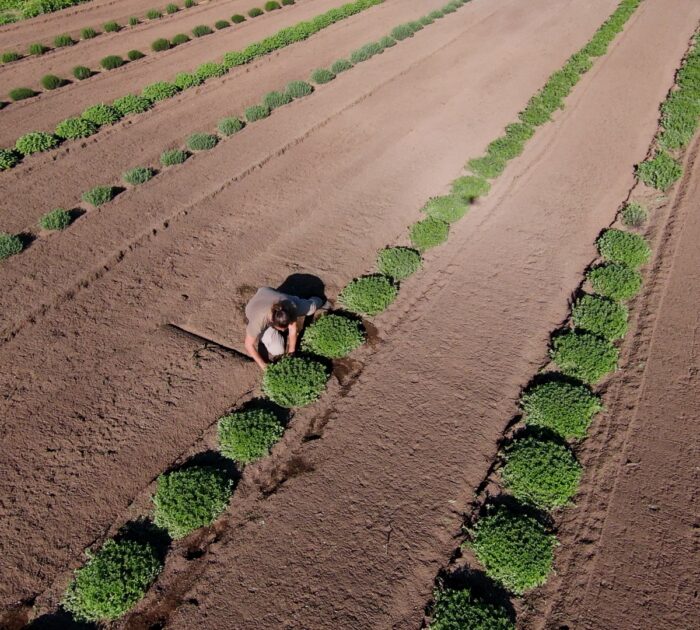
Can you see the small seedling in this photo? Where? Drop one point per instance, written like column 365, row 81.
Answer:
column 246, row 436
column 273, row 100
column 201, row 30
column 172, row 157
column 460, row 609
column 299, row 89
column 9, row 245
column 60, row 41
column 623, row 247
column 36, row 142
column 229, row 126
column 22, row 93
column 616, row 281
column 160, row 44
column 428, row 233
column 132, row 104
column 448, row 208
column 660, row 171
column 160, row 91
column 332, row 336
column 81, row 73
column 368, row 295
column 189, row 4
column 340, row 66
column 111, row 62
column 295, row 381
column 73, row 128
column 583, row 355
column 399, row 262
column 101, row 114
column 51, row 82
column 256, row 112
column 634, row 214
column 134, row 55
column 138, row 175
column 99, row 195
column 321, row 75
column 58, row 219
column 133, row 21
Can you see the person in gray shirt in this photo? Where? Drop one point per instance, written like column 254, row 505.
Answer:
column 270, row 315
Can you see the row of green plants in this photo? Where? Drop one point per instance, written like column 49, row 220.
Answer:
column 16, row 10
column 131, row 104
column 111, row 62
column 192, row 496
column 537, row 468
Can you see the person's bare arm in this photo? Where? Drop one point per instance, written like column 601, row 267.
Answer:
column 251, row 347
column 293, row 332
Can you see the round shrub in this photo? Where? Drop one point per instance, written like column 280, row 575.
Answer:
column 60, row 41
column 8, row 57
column 132, row 104
column 340, row 66
column 110, row 62
column 255, row 12
column 600, row 316
column 660, row 171
column 9, row 158
column 112, row 27
column 299, row 89
column 159, row 91
column 38, row 49
column 134, row 55
column 171, row 8
column 210, row 69
column 321, row 75
column 448, row 208
column 229, row 126
column 470, row 187
column 256, row 112
column 273, row 100
column 294, row 381
column 398, row 262
column 562, row 407
column 272, row 5
column 221, row 24
column 489, row 166
column 201, row 141
column 541, row 472
column 185, row 80
column 189, row 4
column 623, row 247
column 514, row 549
column 19, row 94
column 154, row 14
column 113, row 580
column 201, row 30
column 99, row 195
column 615, row 281
column 584, row 356
column 172, row 157
column 82, row 72
column 58, row 219
column 73, row 128
column 88, row 33
column 428, row 233
column 138, row 175
column 459, row 609
column 180, row 38
column 237, row 19
column 190, row 498
column 286, row 3
column 332, row 336
column 9, row 245
column 368, row 295
column 402, row 32
column 160, row 44
column 35, row 142
column 101, row 114
column 245, row 436
column 634, row 214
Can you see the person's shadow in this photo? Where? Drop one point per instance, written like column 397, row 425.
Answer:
column 303, row 285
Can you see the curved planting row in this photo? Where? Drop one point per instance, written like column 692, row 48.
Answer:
column 15, row 10
column 130, row 104
column 110, row 62
column 537, row 469
column 192, row 496
column 426, row 234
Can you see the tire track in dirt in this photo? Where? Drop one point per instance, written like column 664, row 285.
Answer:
column 83, row 385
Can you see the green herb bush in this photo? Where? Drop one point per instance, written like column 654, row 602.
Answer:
column 272, row 5
column 21, row 93
column 541, row 472
column 171, row 8
column 448, row 208
column 73, row 128
column 398, row 262
column 256, row 112
column 35, row 142
column 365, row 52
column 209, row 70
column 426, row 20
column 255, row 12
column 221, row 24
column 332, row 336
column 112, row 581
column 154, row 14
column 138, row 175
column 179, row 39
column 38, row 49
column 88, row 33
column 299, row 89
column 563, row 407
column 160, row 91
column 623, row 247
column 387, row 42
column 9, row 245
column 133, row 21
column 229, row 126
column 160, row 44
column 402, row 32
column 273, row 100
column 101, row 114
column 202, row 141
column 57, row 219
column 679, row 118
column 99, row 195
column 82, row 72
column 600, row 316
column 51, row 82
column 634, row 214
column 111, row 62
column 190, row 498
column 185, row 80
column 488, row 167
column 201, row 30
column 172, row 157
column 189, row 4
column 8, row 57
column 506, row 147
column 9, row 158
column 470, row 187
column 368, row 295
column 583, row 355
column 460, row 609
column 515, row 549
column 428, row 233
column 660, row 171
column 294, row 381
column 60, row 41
column 112, row 27
column 321, row 75
column 341, row 65
column 132, row 104
column 287, row 3
column 615, row 280
column 237, row 18
column 248, row 435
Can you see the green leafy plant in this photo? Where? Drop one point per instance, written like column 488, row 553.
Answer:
column 154, row 14
column 133, row 21
column 179, row 39
column 332, row 336
column 209, row 70
column 57, row 219
column 470, row 187
column 255, row 12
column 172, row 157
column 623, row 247
column 201, row 30
column 615, row 280
column 113, row 580
column 428, row 233
column 189, row 4
column 398, row 262
column 190, row 498
column 8, row 57
column 110, row 62
column 256, row 112
column 273, row 100
column 112, row 27
column 99, row 195
column 237, row 18
column 634, row 214
column 88, row 33
column 185, row 80
column 488, row 167
column 365, row 52
column 221, row 24
column 9, row 158
column 541, row 472
column 38, row 49
column 171, row 8
column 51, row 82
column 679, row 117
column 81, row 73
column 73, row 128
column 294, row 381
column 341, row 65
column 321, row 75
column 19, row 94
column 229, row 126
column 660, row 171
column 160, row 44
column 299, row 89
column 402, row 32
column 563, row 407
column 583, row 355
column 138, row 175
column 515, row 549
column 448, row 208
column 506, row 147
column 101, row 114
column 134, row 55
column 131, row 104
column 460, row 609
column 246, row 436
column 36, row 142
column 160, row 91
column 272, row 6
column 368, row 295
column 287, row 3
column 60, row 41
column 437, row 14
column 600, row 316
column 9, row 245
column 202, row 141
column 387, row 42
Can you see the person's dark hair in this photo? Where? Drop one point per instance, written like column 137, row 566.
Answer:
column 282, row 315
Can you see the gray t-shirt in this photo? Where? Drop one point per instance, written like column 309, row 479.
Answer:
column 259, row 309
